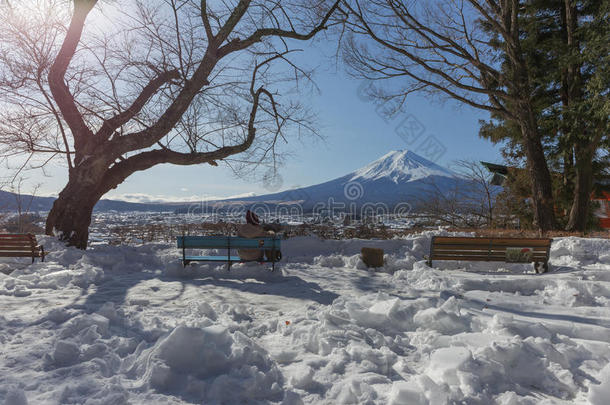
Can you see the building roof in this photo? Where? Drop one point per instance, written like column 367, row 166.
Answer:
column 496, row 168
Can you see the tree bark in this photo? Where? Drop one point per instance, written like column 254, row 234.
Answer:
column 541, row 181
column 70, row 216
column 584, row 146
column 579, row 213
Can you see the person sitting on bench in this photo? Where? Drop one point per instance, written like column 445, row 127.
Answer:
column 253, row 229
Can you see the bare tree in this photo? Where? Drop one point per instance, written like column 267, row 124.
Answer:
column 119, row 88
column 23, row 204
column 443, row 206
column 25, row 221
column 480, row 196
column 469, row 203
column 468, row 50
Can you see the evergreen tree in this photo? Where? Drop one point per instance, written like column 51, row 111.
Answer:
column 565, row 43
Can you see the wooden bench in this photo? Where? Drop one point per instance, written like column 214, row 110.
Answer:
column 509, row 250
column 20, row 245
column 229, row 243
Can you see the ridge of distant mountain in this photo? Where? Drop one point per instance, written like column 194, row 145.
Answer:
column 400, row 176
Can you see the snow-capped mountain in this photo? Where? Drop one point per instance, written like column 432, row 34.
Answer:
column 400, row 166
column 397, row 177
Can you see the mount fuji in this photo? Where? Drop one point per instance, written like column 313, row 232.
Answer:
column 398, row 177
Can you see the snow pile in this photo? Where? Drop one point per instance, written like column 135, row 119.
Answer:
column 118, row 325
column 399, row 253
column 72, row 267
column 599, row 394
column 218, row 366
column 573, row 251
column 439, row 348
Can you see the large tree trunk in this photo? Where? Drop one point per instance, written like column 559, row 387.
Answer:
column 542, row 186
column 584, row 147
column 70, row 216
column 579, row 214
column 524, row 110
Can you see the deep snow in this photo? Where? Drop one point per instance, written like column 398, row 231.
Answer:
column 118, row 325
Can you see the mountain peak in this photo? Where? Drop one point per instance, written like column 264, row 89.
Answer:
column 400, row 176
column 400, row 166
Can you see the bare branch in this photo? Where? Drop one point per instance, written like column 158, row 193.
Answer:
column 61, row 93
column 148, row 91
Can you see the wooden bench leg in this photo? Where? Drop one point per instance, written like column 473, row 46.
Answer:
column 429, row 262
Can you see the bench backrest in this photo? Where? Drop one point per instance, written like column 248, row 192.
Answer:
column 19, row 245
column 225, row 242
column 489, row 249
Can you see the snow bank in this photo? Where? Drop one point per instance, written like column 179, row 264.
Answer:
column 216, row 366
column 453, row 358
column 130, row 325
column 573, row 251
column 599, row 393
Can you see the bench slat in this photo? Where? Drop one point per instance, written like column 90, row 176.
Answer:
column 529, row 242
column 476, row 259
column 472, row 238
column 478, row 253
column 202, row 242
column 212, row 258
column 22, row 243
column 28, row 248
column 223, row 242
column 16, row 235
column 17, row 243
column 19, row 254
column 487, row 247
column 441, row 256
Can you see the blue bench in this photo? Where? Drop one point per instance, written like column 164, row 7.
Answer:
column 228, row 242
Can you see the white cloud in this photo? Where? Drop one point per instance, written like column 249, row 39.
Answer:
column 150, row 198
column 244, row 195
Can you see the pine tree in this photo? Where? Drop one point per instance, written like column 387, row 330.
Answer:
column 566, row 48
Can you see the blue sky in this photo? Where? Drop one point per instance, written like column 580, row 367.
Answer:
column 355, row 134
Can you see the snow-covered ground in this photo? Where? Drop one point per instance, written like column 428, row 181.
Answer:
column 118, row 325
